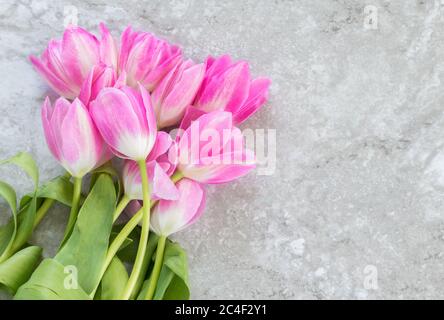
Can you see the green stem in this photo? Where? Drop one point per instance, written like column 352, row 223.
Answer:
column 121, row 206
column 144, row 233
column 40, row 214
column 119, row 240
column 150, row 249
column 125, row 232
column 117, row 243
column 156, row 269
column 74, row 209
column 46, row 205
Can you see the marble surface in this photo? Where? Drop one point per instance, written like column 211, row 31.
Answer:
column 354, row 209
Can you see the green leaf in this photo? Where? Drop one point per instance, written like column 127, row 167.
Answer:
column 8, row 232
column 17, row 269
column 25, row 161
column 26, row 225
column 177, row 290
column 108, row 169
column 52, row 281
column 114, row 280
column 88, row 244
column 22, row 231
column 173, row 279
column 127, row 242
column 176, row 259
column 59, row 189
column 8, row 193
column 165, row 278
column 128, row 250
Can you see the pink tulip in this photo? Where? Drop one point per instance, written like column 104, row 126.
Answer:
column 126, row 121
column 72, row 137
column 211, row 150
column 109, row 54
column 161, row 185
column 99, row 77
column 66, row 63
column 159, row 153
column 170, row 216
column 176, row 92
column 159, row 173
column 228, row 86
column 145, row 58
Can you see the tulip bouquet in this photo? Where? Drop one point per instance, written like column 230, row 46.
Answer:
column 171, row 121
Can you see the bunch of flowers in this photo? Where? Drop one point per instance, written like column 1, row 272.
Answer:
column 174, row 124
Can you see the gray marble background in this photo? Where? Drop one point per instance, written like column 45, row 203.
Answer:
column 359, row 184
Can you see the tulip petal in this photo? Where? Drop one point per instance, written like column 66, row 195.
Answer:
column 126, row 41
column 163, row 187
column 126, row 121
column 152, row 79
column 80, row 52
column 108, row 47
column 226, row 91
column 47, row 112
column 191, row 114
column 145, row 58
column 131, row 180
column 206, row 136
column 119, row 124
column 217, row 66
column 72, row 136
column 161, row 146
column 54, row 57
column 177, row 92
column 257, row 97
column 121, row 81
column 169, row 216
column 217, row 169
column 66, row 63
column 56, row 83
column 85, row 92
column 98, row 78
column 81, row 142
column 150, row 116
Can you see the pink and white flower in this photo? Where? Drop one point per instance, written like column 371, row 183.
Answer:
column 126, row 121
column 228, row 86
column 72, row 137
column 145, row 58
column 171, row 216
column 159, row 171
column 211, row 150
column 99, row 77
column 176, row 92
column 66, row 63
